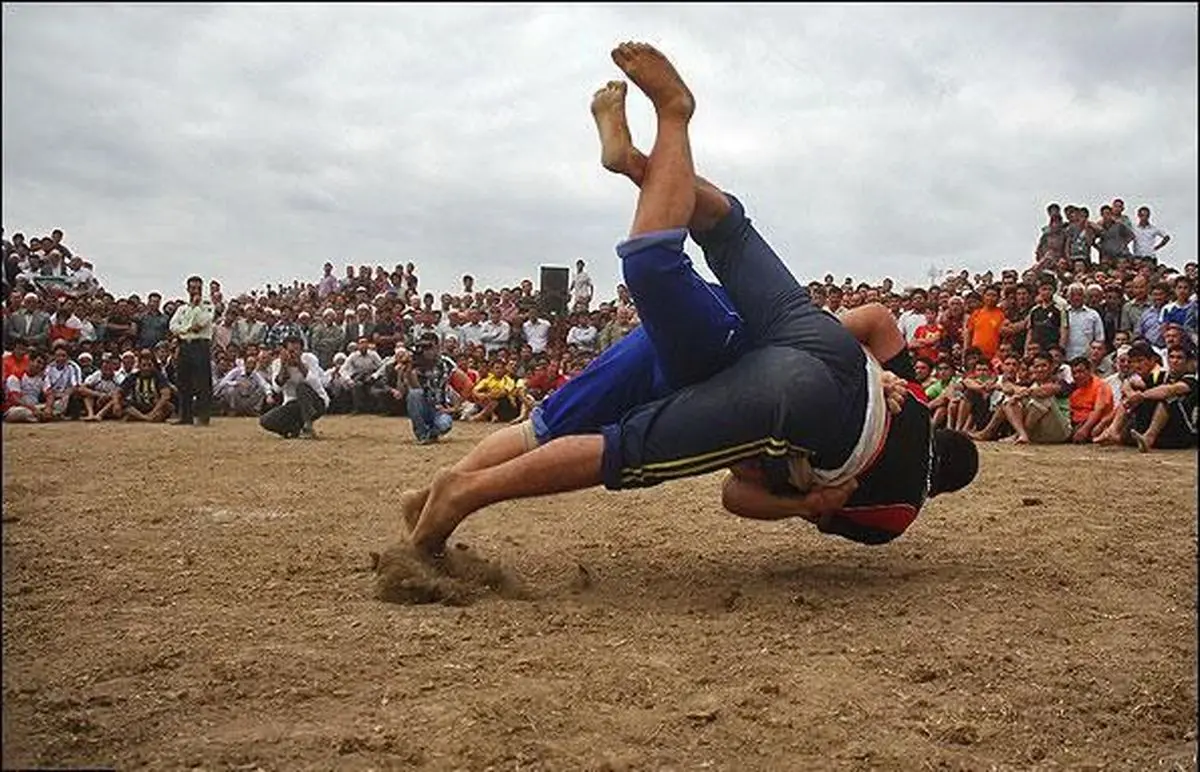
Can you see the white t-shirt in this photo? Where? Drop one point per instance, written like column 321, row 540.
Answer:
column 315, row 377
column 62, row 378
column 584, row 337
column 1146, row 239
column 537, row 334
column 909, row 321
column 97, row 382
column 581, row 287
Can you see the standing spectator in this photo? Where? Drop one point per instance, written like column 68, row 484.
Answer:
column 328, row 284
column 1081, row 236
column 581, row 288
column 360, row 326
column 1110, row 312
column 1150, row 326
column 30, row 324
column 297, row 376
column 192, row 323
column 1052, row 244
column 120, row 325
column 1115, row 236
column 1135, row 307
column 27, row 396
column 1182, row 310
column 154, row 325
column 1084, row 324
column 982, row 330
column 146, row 394
column 1147, row 237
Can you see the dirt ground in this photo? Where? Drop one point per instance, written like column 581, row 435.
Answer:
column 161, row 615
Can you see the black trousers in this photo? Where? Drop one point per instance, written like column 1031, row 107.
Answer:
column 195, row 380
column 289, row 418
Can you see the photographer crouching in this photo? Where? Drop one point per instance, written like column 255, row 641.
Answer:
column 431, row 398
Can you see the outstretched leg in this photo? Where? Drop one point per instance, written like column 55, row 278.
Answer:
column 666, row 203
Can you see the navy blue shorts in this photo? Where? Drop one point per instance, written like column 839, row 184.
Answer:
column 798, row 383
column 689, row 332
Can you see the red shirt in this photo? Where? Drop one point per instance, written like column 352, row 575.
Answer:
column 14, row 366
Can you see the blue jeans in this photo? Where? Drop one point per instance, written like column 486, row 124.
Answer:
column 427, row 421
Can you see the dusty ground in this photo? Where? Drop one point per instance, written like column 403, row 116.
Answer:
column 159, row 615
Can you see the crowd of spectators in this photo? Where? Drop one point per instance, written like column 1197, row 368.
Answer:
column 1091, row 341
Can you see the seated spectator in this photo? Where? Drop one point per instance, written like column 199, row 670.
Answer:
column 17, row 360
column 1172, row 422
column 65, row 325
column 29, row 323
column 99, row 392
column 27, row 396
column 1102, row 361
column 243, row 390
column 1133, row 411
column 338, row 386
column 358, row 368
column 583, row 333
column 1090, row 402
column 1182, row 310
column 496, row 395
column 943, row 393
column 974, row 410
column 389, row 384
column 87, row 364
column 145, row 394
column 1038, row 413
column 1007, row 384
column 62, row 379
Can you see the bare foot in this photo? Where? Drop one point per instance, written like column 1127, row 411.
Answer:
column 442, row 513
column 656, row 77
column 91, row 418
column 1021, row 440
column 1142, row 445
column 608, row 110
column 411, row 504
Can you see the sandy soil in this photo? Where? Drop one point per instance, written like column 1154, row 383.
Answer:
column 179, row 598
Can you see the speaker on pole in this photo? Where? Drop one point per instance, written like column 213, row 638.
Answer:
column 554, row 293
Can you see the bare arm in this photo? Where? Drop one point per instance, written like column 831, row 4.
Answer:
column 750, row 500
column 874, row 326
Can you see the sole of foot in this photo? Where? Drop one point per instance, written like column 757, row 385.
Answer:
column 608, row 110
column 654, row 74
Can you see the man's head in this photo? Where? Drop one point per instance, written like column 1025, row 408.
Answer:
column 145, row 361
column 1143, row 215
column 108, row 368
column 195, row 287
column 295, row 344
column 1183, row 289
column 37, row 363
column 61, row 356
column 1177, row 360
column 363, row 344
column 1081, row 371
column 1142, row 358
column 1159, row 294
column 923, row 367
column 1042, row 368
column 955, row 462
column 579, row 266
column 1075, row 295
column 1138, row 288
column 31, row 301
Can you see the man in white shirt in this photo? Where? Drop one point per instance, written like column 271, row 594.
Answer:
column 581, row 288
column 536, row 331
column 99, row 391
column 27, row 396
column 358, row 368
column 1084, row 324
column 62, row 379
column 1147, row 238
column 297, row 375
column 472, row 331
column 912, row 317
column 494, row 332
column 583, row 333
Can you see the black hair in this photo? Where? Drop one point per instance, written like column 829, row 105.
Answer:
column 1082, row 362
column 955, row 462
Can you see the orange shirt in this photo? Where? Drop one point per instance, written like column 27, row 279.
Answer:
column 14, row 366
column 1083, row 399
column 984, row 330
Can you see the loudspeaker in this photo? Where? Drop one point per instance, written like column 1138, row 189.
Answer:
column 553, row 295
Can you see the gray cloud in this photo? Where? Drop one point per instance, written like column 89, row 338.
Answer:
column 252, row 143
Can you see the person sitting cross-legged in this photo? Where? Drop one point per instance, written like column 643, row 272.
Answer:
column 145, row 394
column 1172, row 422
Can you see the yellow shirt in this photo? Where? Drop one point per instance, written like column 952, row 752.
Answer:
column 491, row 386
column 187, row 315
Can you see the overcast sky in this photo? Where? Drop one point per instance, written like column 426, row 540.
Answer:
column 253, row 143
